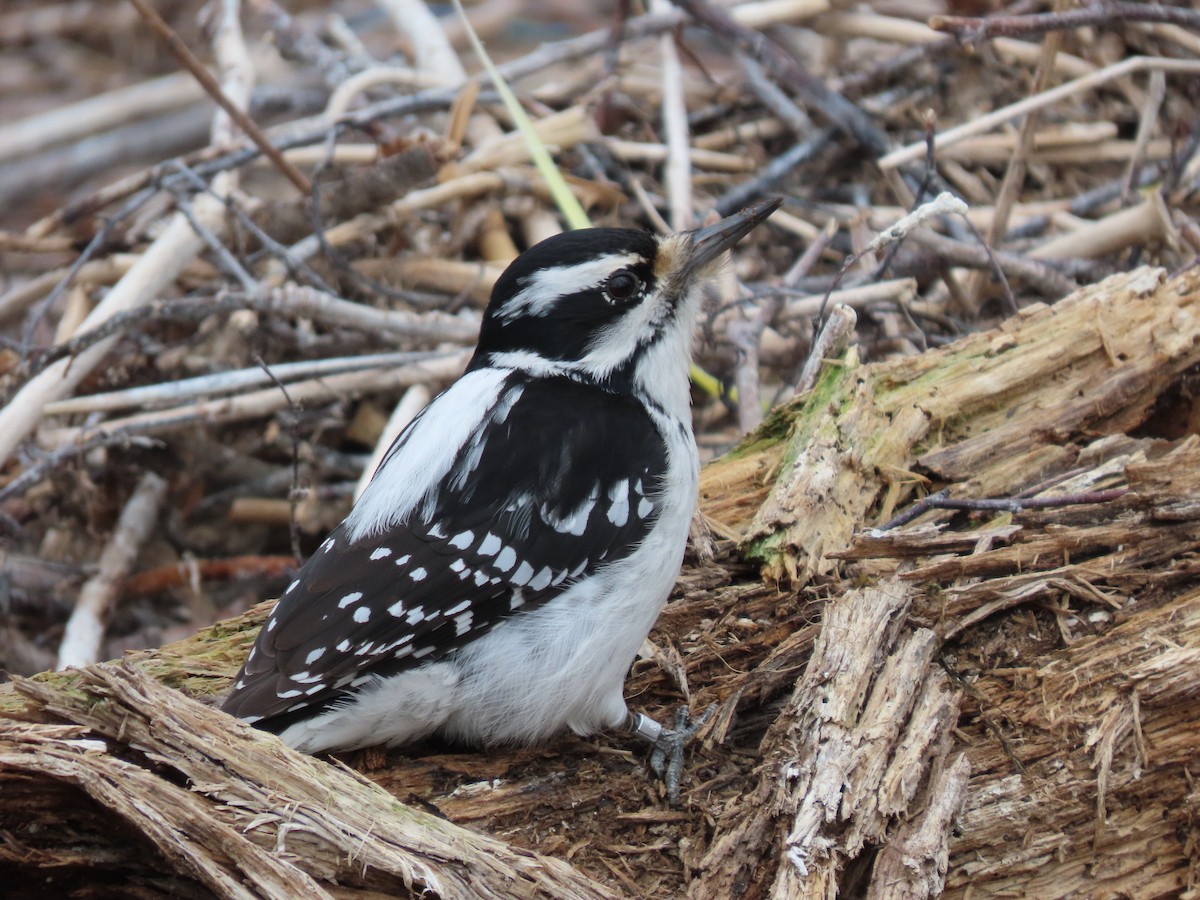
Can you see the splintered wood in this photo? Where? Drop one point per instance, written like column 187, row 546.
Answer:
column 330, row 825
column 854, row 744
column 992, row 413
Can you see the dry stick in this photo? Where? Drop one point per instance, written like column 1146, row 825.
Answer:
column 220, row 383
column 290, row 300
column 297, row 268
column 154, row 271
column 773, row 172
column 943, row 204
column 226, row 261
column 769, row 94
column 996, row 149
column 899, row 290
column 76, row 121
column 1156, row 92
column 744, row 335
column 841, row 113
column 830, row 343
column 435, row 57
column 150, row 276
column 1043, row 278
column 713, row 160
column 338, row 104
column 15, row 242
column 142, row 142
column 214, row 159
column 942, row 500
column 816, row 246
column 906, row 32
column 1146, row 223
column 211, row 87
column 260, row 403
column 747, row 335
column 678, row 169
column 760, row 130
column 1102, row 15
column 990, row 120
column 431, row 49
column 1014, row 174
column 85, row 629
column 342, row 36
column 39, row 313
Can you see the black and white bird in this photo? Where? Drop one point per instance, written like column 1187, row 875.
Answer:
column 498, row 575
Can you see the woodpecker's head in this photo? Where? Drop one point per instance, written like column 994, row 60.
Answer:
column 611, row 306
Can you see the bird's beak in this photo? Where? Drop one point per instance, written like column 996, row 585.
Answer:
column 710, row 242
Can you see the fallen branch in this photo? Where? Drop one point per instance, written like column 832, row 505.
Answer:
column 85, row 629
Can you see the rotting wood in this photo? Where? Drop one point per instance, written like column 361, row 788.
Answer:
column 258, row 818
column 992, row 410
column 1083, row 765
column 850, row 750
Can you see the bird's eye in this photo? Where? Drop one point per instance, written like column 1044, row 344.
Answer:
column 622, row 287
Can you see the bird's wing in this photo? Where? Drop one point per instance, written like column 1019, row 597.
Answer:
column 534, row 499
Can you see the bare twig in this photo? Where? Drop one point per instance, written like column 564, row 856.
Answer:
column 1155, row 95
column 1099, row 15
column 1047, row 281
column 675, row 128
column 988, row 121
column 269, row 401
column 85, row 629
column 75, row 121
column 213, row 88
column 943, row 500
column 830, row 343
column 1014, row 173
column 147, row 279
column 943, row 204
column 841, row 113
column 796, row 120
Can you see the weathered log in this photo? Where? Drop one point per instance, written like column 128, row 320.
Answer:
column 256, row 818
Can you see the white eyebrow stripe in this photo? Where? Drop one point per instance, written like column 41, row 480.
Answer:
column 544, row 287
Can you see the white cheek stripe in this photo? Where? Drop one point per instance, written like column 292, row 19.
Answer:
column 543, row 288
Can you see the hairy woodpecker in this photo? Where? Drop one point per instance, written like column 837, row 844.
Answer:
column 498, row 575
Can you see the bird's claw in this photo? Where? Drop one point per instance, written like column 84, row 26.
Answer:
column 666, row 759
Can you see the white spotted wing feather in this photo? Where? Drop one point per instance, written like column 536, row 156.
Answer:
column 386, row 625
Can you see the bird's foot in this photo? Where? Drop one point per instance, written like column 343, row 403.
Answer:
column 666, row 759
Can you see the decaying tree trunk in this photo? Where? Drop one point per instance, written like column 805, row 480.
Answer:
column 1003, row 700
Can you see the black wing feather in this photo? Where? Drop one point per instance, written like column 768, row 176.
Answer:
column 505, row 524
